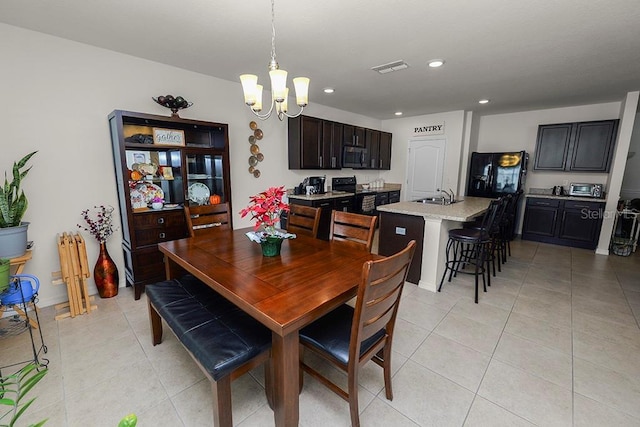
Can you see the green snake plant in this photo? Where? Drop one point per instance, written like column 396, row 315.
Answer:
column 13, row 202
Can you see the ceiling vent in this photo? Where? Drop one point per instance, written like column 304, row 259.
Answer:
column 392, row 66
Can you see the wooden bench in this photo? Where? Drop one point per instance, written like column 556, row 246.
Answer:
column 223, row 340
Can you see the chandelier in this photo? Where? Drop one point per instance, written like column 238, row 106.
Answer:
column 279, row 91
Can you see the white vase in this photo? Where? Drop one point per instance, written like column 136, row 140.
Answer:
column 156, row 205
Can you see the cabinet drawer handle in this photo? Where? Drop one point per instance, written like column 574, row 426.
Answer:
column 162, row 235
column 160, row 220
column 581, row 206
column 324, row 204
column 542, row 204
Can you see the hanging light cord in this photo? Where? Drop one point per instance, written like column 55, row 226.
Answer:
column 273, row 65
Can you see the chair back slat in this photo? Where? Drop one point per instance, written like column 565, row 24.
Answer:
column 204, row 217
column 303, row 220
column 378, row 297
column 353, row 227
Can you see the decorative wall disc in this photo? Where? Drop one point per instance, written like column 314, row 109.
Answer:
column 253, row 125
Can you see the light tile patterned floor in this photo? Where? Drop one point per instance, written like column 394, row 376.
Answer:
column 554, row 342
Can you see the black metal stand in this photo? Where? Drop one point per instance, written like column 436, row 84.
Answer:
column 16, row 325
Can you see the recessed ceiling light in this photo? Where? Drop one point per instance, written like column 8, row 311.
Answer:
column 398, row 113
column 435, row 63
column 483, row 101
column 329, row 90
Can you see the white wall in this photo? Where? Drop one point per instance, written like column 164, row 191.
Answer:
column 631, row 182
column 403, row 130
column 57, row 95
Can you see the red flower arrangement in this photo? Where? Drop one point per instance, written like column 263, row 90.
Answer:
column 266, row 208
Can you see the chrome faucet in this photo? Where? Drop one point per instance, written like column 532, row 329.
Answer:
column 451, row 196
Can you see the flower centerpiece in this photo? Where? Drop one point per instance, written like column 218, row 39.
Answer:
column 265, row 208
column 100, row 225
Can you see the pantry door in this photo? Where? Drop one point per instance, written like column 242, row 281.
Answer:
column 425, row 168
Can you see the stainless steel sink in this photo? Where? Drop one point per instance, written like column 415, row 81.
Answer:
column 436, row 201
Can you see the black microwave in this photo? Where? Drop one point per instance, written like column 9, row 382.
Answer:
column 354, row 157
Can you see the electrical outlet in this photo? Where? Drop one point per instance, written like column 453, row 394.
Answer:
column 565, row 183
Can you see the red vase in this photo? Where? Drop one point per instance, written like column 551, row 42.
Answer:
column 105, row 274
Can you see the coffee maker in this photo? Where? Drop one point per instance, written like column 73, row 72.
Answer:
column 311, row 185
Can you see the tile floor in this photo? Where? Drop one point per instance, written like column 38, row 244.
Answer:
column 555, row 342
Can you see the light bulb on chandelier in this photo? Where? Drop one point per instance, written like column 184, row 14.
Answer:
column 279, row 91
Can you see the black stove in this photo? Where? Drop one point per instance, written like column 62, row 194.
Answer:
column 347, row 184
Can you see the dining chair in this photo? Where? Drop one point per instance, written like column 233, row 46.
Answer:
column 349, row 337
column 352, row 227
column 200, row 218
column 303, row 220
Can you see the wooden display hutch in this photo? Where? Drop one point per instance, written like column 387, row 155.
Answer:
column 182, row 160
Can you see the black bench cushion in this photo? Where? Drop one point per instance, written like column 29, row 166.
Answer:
column 332, row 333
column 218, row 334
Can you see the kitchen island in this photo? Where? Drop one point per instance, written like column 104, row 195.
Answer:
column 436, row 221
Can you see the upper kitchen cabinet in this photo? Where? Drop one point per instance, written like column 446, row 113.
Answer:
column 576, row 147
column 314, row 143
column 318, row 144
column 354, row 135
column 305, row 143
column 331, row 145
column 378, row 145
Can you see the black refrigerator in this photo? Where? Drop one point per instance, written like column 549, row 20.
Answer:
column 496, row 174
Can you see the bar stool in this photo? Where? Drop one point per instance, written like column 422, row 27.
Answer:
column 498, row 249
column 471, row 246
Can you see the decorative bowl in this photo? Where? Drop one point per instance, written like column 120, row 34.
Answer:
column 175, row 104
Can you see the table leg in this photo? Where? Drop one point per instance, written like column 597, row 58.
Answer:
column 285, row 357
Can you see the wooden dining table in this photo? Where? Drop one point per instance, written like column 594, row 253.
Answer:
column 308, row 279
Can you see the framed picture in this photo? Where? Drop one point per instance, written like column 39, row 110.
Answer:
column 139, row 157
column 167, row 172
column 168, row 137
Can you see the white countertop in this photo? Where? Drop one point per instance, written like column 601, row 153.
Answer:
column 338, row 194
column 462, row 211
column 551, row 196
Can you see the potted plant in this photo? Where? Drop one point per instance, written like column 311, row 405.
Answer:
column 5, row 269
column 13, row 205
column 265, row 208
column 13, row 391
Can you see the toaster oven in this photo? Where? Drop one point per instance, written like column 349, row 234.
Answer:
column 586, row 190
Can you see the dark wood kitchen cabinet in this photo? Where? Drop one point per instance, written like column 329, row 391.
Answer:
column 305, row 143
column 396, row 231
column 574, row 223
column 182, row 173
column 540, row 219
column 385, row 151
column 576, row 147
column 378, row 145
column 314, row 143
column 331, row 157
column 581, row 222
column 354, row 135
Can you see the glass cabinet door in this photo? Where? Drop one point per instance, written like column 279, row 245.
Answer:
column 154, row 173
column 205, row 178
